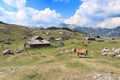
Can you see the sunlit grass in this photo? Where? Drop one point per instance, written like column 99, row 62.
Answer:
column 44, row 63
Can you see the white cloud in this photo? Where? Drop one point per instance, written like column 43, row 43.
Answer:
column 93, row 12
column 29, row 16
column 48, row 16
column 6, row 16
column 16, row 3
column 110, row 23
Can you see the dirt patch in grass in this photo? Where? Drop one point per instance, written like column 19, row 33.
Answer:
column 55, row 71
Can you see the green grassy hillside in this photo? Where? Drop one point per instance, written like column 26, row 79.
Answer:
column 12, row 31
column 46, row 63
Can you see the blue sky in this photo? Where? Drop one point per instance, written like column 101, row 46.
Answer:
column 65, row 8
column 88, row 13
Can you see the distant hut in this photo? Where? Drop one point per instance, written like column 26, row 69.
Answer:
column 51, row 39
column 98, row 37
column 37, row 41
column 90, row 38
column 99, row 40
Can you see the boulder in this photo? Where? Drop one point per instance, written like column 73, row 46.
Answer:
column 19, row 50
column 8, row 51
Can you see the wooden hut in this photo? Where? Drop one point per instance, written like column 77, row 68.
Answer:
column 37, row 41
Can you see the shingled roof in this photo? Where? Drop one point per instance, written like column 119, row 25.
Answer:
column 37, row 40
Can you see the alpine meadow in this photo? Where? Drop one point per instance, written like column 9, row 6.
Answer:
column 56, row 62
column 59, row 39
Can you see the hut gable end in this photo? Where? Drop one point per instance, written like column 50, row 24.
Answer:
column 36, row 38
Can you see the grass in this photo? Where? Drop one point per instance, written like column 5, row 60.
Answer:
column 44, row 63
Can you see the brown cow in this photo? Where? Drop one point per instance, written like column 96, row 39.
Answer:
column 80, row 51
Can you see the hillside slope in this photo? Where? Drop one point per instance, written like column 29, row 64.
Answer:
column 13, row 31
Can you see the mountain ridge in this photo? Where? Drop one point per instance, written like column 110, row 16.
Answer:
column 114, row 32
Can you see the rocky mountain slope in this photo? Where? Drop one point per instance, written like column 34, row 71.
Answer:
column 115, row 32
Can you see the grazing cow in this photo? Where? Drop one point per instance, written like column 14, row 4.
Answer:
column 80, row 51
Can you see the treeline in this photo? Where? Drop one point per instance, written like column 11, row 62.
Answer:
column 56, row 28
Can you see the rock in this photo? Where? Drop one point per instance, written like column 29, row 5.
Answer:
column 104, row 76
column 19, row 51
column 8, row 51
